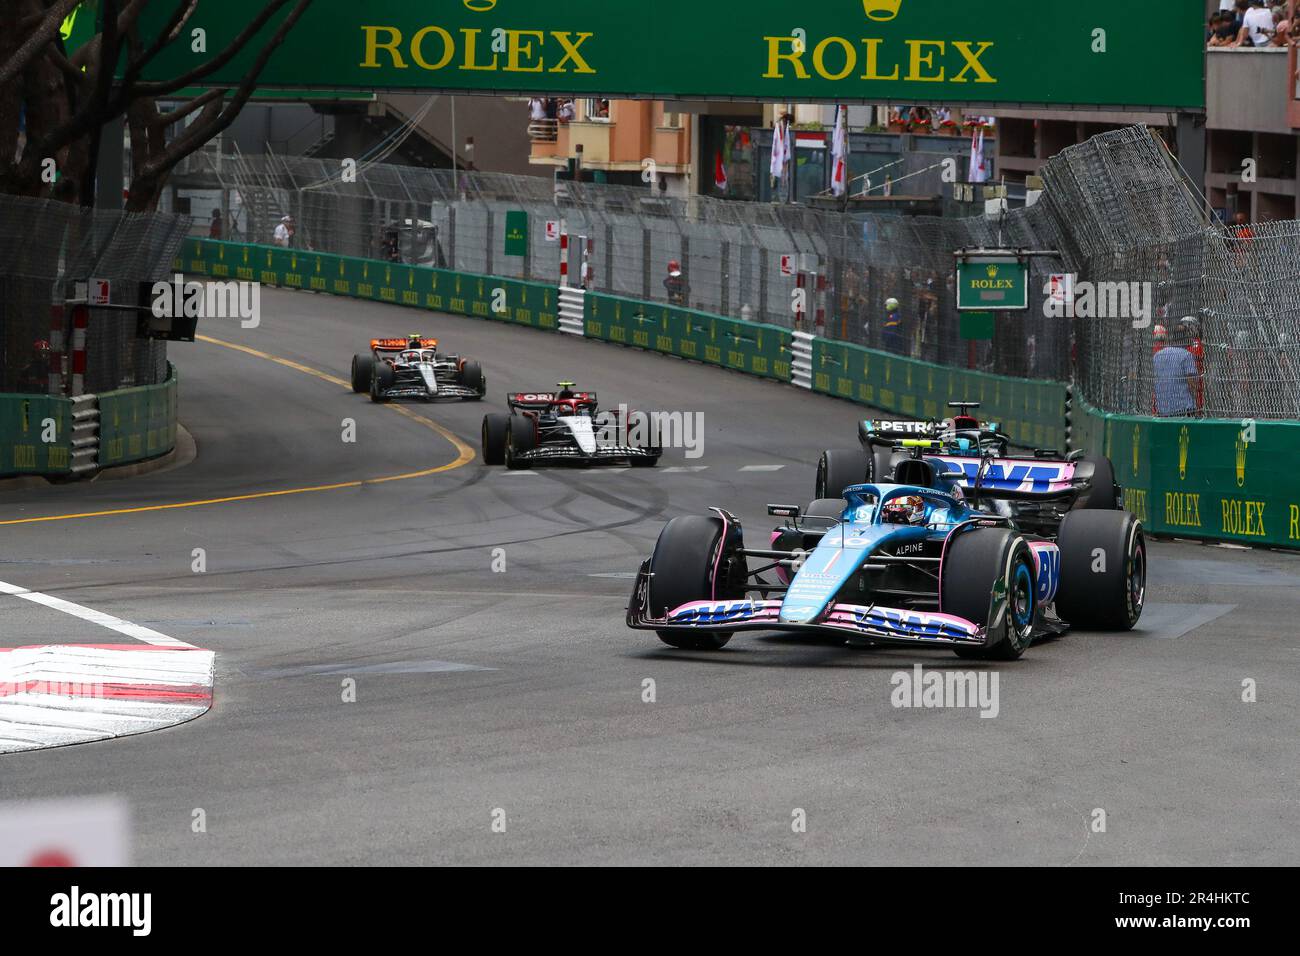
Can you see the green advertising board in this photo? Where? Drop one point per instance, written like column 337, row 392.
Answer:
column 976, row 51
column 976, row 326
column 516, row 233
column 999, row 283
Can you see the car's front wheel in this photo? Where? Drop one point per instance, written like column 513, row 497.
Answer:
column 686, row 567
column 988, row 579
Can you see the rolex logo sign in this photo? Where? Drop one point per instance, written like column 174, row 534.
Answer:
column 1184, row 446
column 993, row 272
column 1241, row 463
column 882, row 10
column 481, row 6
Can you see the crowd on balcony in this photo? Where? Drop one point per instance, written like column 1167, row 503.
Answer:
column 1252, row 23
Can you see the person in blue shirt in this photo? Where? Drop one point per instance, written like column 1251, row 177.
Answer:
column 1176, row 376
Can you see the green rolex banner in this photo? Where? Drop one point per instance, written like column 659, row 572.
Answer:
column 516, row 233
column 972, row 52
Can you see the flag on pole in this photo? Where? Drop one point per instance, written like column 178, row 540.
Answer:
column 979, row 171
column 720, row 173
column 840, row 153
column 780, row 150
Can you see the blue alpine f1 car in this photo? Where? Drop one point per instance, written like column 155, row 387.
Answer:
column 905, row 563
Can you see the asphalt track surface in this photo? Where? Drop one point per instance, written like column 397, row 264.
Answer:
column 522, row 691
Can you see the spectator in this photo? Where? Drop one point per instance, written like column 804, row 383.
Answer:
column 676, row 285
column 1176, row 378
column 894, row 338
column 536, row 109
column 35, row 375
column 284, row 232
column 1256, row 26
column 567, row 112
column 214, row 228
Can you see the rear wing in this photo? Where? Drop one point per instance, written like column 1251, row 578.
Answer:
column 1017, row 478
column 399, row 345
column 538, row 401
column 882, row 432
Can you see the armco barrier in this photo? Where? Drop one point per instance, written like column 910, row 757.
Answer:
column 1185, row 478
column 136, row 424
column 26, row 421
column 1215, row 480
column 751, row 347
column 509, row 300
column 1031, row 412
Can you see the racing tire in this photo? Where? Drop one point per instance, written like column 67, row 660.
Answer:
column 641, row 419
column 383, row 379
column 471, row 377
column 843, row 467
column 682, row 571
column 1104, row 494
column 521, row 436
column 975, row 562
column 363, row 367
column 494, row 438
column 882, row 465
column 1103, row 570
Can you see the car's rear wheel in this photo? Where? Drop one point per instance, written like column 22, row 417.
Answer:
column 1103, row 569
column 471, row 377
column 682, row 570
column 521, row 436
column 978, row 565
column 1104, row 495
column 843, row 467
column 381, row 381
column 494, row 438
column 363, row 367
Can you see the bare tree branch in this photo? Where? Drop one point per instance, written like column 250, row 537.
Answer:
column 214, row 121
column 163, row 87
column 45, row 34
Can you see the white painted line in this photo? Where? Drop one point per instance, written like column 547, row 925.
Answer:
column 523, row 472
column 621, row 575
column 684, row 469
column 148, row 635
column 762, row 468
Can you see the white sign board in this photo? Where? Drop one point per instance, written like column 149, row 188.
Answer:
column 552, row 230
column 1060, row 289
column 787, row 265
column 79, row 831
column 100, row 290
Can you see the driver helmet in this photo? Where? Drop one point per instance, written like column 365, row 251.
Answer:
column 416, row 340
column 566, row 391
column 906, row 510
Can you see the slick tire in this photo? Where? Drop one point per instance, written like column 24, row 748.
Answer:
column 975, row 561
column 382, row 380
column 363, row 367
column 471, row 377
column 1104, row 494
column 682, row 569
column 495, row 427
column 521, row 436
column 843, row 467
column 1103, row 570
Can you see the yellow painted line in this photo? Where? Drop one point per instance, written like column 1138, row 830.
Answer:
column 465, row 454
